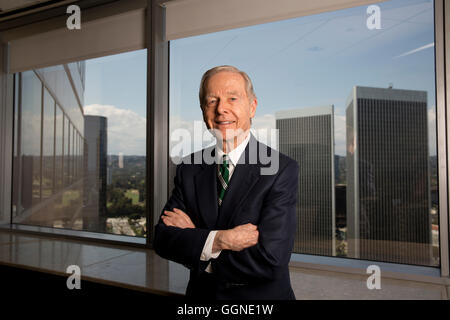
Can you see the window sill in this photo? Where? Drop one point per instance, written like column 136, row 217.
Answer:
column 117, row 265
column 75, row 235
column 359, row 267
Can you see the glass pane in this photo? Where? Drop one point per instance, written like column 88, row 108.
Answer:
column 92, row 124
column 16, row 156
column 354, row 105
column 58, row 148
column 72, row 158
column 116, row 138
column 48, row 145
column 30, row 142
column 66, row 151
column 75, row 160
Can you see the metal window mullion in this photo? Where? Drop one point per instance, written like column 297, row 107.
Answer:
column 62, row 153
column 75, row 153
column 19, row 149
column 157, row 153
column 54, row 149
column 41, row 162
column 444, row 8
column 68, row 152
column 442, row 127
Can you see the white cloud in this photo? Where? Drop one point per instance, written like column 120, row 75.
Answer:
column 340, row 135
column 126, row 129
column 266, row 121
column 187, row 136
column 190, row 136
column 263, row 128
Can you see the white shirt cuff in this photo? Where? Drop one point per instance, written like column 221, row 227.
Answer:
column 207, row 248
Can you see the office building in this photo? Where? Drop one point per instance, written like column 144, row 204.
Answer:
column 388, row 193
column 149, row 59
column 307, row 136
column 96, row 136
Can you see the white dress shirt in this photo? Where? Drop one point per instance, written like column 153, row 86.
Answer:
column 233, row 156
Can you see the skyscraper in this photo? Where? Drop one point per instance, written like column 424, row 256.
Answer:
column 307, row 136
column 95, row 133
column 388, row 190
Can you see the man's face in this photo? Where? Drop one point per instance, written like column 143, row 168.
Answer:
column 227, row 108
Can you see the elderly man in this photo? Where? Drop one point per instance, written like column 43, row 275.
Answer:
column 230, row 223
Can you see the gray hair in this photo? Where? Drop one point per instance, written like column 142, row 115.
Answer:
column 208, row 74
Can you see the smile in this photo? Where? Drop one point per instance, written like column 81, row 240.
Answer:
column 224, row 122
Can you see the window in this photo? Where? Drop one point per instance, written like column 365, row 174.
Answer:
column 355, row 106
column 48, row 145
column 80, row 145
column 66, row 150
column 58, row 148
column 30, row 144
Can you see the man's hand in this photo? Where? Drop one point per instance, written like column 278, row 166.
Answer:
column 236, row 239
column 177, row 218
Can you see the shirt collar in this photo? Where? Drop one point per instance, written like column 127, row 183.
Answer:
column 234, row 154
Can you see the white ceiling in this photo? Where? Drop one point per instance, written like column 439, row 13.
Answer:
column 11, row 5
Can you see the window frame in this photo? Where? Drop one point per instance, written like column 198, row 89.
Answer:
column 58, row 14
column 418, row 273
column 158, row 153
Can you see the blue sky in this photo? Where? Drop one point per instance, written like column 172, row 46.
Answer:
column 116, row 88
column 118, row 80
column 315, row 60
column 312, row 61
column 297, row 63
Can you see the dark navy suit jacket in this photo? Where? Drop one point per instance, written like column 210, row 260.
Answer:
column 267, row 201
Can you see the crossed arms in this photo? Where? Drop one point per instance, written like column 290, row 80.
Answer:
column 249, row 252
column 236, row 239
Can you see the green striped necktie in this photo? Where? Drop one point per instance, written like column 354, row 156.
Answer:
column 224, row 176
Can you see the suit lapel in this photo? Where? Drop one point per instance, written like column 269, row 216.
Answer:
column 244, row 177
column 206, row 192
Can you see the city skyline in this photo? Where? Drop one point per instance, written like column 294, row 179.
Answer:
column 313, row 61
column 299, row 53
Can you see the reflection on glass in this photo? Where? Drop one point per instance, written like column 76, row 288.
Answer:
column 58, row 148
column 16, row 156
column 66, row 151
column 79, row 151
column 48, row 145
column 30, row 141
column 354, row 106
column 72, row 158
